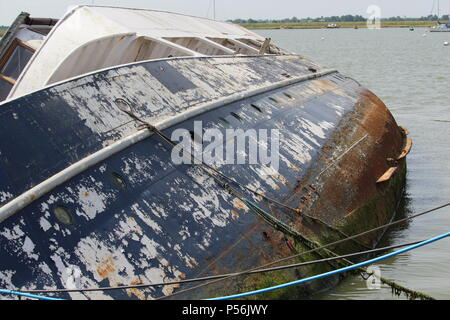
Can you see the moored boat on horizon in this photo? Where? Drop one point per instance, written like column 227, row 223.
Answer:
column 441, row 27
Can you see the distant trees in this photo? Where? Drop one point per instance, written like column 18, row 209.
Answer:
column 433, row 17
column 294, row 19
column 343, row 18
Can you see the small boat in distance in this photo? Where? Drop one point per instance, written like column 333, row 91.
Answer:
column 442, row 26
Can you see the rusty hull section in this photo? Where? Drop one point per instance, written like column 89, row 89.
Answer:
column 161, row 222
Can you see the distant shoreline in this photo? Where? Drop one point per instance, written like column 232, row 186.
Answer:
column 346, row 25
column 323, row 25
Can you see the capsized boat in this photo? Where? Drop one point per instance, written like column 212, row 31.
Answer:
column 441, row 27
column 90, row 194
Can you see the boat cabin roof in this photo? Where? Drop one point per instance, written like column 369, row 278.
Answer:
column 41, row 52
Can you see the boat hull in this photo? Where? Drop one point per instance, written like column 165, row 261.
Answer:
column 134, row 217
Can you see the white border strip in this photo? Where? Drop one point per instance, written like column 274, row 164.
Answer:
column 63, row 176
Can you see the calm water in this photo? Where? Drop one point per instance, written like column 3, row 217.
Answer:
column 411, row 74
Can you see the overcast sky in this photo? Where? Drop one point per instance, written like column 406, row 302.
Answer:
column 231, row 9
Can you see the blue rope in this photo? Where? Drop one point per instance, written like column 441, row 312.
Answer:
column 330, row 273
column 28, row 295
column 245, row 294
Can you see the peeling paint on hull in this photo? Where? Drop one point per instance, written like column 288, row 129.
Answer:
column 170, row 222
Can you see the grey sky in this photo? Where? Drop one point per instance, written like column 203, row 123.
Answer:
column 230, row 9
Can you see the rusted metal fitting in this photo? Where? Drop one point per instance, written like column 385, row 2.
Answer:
column 391, row 162
column 387, row 175
column 406, row 149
